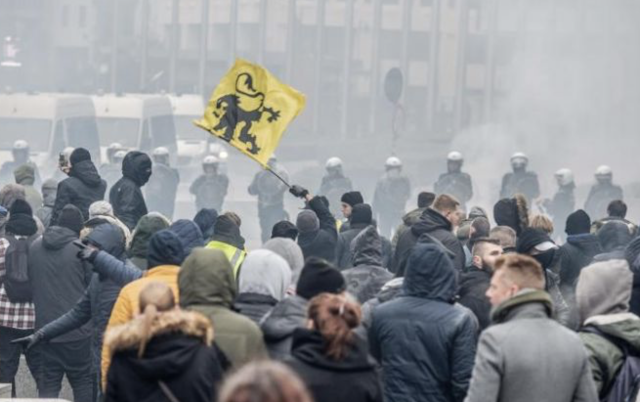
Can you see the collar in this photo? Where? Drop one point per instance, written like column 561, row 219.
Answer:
column 162, row 270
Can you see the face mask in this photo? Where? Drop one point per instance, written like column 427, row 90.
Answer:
column 545, row 259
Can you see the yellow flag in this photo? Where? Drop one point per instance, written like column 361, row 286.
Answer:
column 250, row 109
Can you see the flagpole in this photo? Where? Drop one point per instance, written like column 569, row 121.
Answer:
column 278, row 176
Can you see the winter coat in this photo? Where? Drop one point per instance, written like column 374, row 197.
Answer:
column 436, row 226
column 25, row 177
column 392, row 192
column 521, row 182
column 343, row 247
column 408, row 220
column 389, row 291
column 333, row 187
column 269, row 189
column 322, row 242
column 210, row 191
column 82, row 188
column 597, row 225
column 189, row 234
column 473, row 288
column 576, row 253
column 279, row 324
column 161, row 190
column 125, row 196
column 140, row 236
column 178, row 353
column 49, row 189
column 207, row 286
column 58, row 279
column 354, row 378
column 457, row 184
column 527, row 357
column 368, row 276
column 614, row 238
column 437, row 364
column 600, row 195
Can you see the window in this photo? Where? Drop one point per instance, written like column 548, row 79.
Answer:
column 58, row 139
column 83, row 132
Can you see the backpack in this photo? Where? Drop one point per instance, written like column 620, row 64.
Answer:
column 16, row 279
column 626, row 386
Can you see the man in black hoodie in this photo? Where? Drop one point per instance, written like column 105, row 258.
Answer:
column 82, row 188
column 125, row 196
column 437, row 222
column 58, row 281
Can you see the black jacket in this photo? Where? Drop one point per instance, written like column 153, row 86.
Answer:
column 254, row 306
column 435, row 225
column 473, row 287
column 125, row 196
column 575, row 254
column 343, row 247
column 82, row 188
column 614, row 238
column 321, row 243
column 353, row 378
column 278, row 326
column 58, row 279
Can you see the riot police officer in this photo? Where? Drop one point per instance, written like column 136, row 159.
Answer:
column 602, row 193
column 20, row 153
column 563, row 202
column 520, row 180
column 455, row 182
column 111, row 170
column 334, row 184
column 391, row 195
column 162, row 187
column 270, row 191
column 210, row 188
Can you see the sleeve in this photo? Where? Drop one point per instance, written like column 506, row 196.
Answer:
column 63, row 197
column 374, row 344
column 487, row 371
column 586, row 389
column 79, row 315
column 560, row 308
column 122, row 312
column 196, row 183
column 118, row 271
column 327, row 221
column 462, row 356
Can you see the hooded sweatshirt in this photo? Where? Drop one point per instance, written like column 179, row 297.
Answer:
column 82, row 188
column 125, row 196
column 207, row 285
column 147, row 226
column 291, row 252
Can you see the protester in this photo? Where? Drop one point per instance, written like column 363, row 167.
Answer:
column 602, row 193
column 616, row 211
column 263, row 282
column 270, row 191
column 82, row 188
column 318, row 234
column 125, row 195
column 563, row 202
column 162, row 187
column 425, row 199
column 328, row 355
column 210, row 188
column 437, row 364
column 147, row 226
column 390, row 197
column 512, row 212
column 164, row 354
column 506, row 236
column 334, row 184
column 284, row 229
column 206, row 220
column 49, row 191
column 101, row 212
column 207, row 286
column 614, row 236
column 25, row 176
column 360, row 218
column 226, row 238
column 525, row 356
column 317, row 276
column 520, row 181
column 455, row 182
column 349, row 200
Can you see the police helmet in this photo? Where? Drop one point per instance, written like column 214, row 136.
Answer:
column 333, row 163
column 454, row 156
column 564, row 176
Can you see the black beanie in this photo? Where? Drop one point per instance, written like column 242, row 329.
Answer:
column 578, row 223
column 21, row 222
column 361, row 214
column 352, row 198
column 284, row 229
column 505, row 213
column 529, row 238
column 71, row 218
column 165, row 248
column 319, row 276
column 78, row 155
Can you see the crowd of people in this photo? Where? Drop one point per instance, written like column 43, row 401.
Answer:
column 435, row 304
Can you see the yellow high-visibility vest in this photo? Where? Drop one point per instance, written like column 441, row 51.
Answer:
column 235, row 255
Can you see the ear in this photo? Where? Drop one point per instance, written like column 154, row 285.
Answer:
column 477, row 261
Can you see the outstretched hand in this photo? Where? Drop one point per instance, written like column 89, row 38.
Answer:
column 299, row 191
column 88, row 253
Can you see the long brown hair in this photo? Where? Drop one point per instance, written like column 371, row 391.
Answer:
column 154, row 298
column 335, row 317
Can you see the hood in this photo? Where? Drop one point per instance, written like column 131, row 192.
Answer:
column 10, row 193
column 308, row 346
column 189, row 234
column 429, row 221
column 49, row 191
column 290, row 251
column 146, row 227
column 206, row 219
column 614, row 235
column 165, row 248
column 586, row 241
column 366, row 248
column 430, row 274
column 512, row 212
column 625, row 326
column 285, row 317
column 109, row 238
column 136, row 166
column 174, row 339
column 57, row 237
column 87, row 173
column 206, row 279
column 604, row 288
column 391, row 290
column 25, row 175
column 412, row 217
column 227, row 231
column 265, row 273
column 528, row 303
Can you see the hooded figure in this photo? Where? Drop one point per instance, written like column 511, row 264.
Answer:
column 147, row 226
column 291, row 252
column 189, row 234
column 512, row 212
column 367, row 276
column 49, row 191
column 437, row 364
column 25, row 176
column 263, row 282
column 207, row 286
column 603, row 294
column 82, row 188
column 206, row 220
column 318, row 234
column 614, row 237
column 125, row 196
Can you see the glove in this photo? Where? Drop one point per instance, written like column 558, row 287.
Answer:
column 29, row 341
column 298, row 191
column 88, row 253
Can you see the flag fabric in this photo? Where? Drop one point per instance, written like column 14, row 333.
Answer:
column 251, row 109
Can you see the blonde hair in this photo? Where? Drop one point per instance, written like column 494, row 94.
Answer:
column 154, row 298
column 542, row 222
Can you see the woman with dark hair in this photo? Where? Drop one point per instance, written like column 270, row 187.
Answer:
column 330, row 358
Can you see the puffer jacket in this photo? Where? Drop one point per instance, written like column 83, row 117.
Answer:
column 189, row 234
column 437, row 364
column 125, row 196
column 279, row 325
column 82, row 188
column 367, row 277
column 322, row 242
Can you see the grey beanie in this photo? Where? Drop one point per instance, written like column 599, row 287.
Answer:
column 307, row 221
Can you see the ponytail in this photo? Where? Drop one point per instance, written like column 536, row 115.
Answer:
column 154, row 299
column 149, row 315
column 335, row 317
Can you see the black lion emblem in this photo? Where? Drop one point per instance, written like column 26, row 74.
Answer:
column 246, row 106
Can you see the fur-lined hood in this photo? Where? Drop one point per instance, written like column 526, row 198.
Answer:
column 512, row 212
column 128, row 336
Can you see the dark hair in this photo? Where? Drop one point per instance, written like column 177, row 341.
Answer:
column 617, row 208
column 481, row 227
column 425, row 199
column 335, row 318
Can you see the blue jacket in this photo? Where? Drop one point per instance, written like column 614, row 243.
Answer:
column 425, row 344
